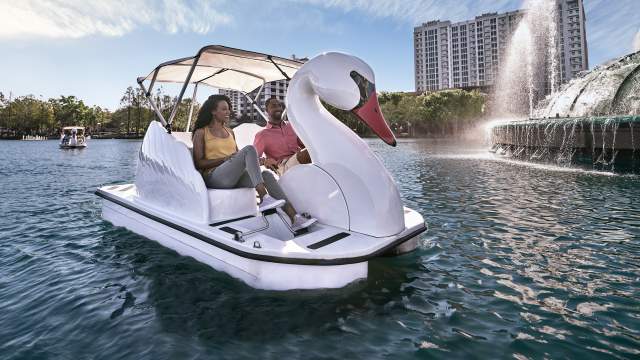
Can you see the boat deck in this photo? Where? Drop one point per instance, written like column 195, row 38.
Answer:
column 319, row 245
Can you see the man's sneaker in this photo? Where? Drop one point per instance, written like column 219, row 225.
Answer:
column 300, row 222
column 269, row 203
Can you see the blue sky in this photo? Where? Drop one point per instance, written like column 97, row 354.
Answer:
column 95, row 49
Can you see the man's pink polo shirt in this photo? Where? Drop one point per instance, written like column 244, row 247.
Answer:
column 277, row 142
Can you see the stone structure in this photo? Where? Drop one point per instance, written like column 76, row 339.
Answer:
column 593, row 120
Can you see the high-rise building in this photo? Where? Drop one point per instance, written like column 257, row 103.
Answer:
column 573, row 40
column 470, row 53
column 243, row 107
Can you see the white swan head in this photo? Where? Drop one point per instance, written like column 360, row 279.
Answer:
column 347, row 83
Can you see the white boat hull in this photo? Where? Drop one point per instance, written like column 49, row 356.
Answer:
column 257, row 274
column 278, row 264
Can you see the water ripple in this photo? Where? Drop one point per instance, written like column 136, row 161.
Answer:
column 520, row 261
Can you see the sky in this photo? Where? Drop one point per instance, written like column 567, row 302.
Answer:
column 95, row 49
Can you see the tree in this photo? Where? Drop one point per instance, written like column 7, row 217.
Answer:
column 127, row 100
column 442, row 113
column 69, row 110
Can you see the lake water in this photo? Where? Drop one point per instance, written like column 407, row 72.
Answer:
column 519, row 262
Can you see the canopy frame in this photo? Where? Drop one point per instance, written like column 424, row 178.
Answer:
column 259, row 59
column 153, row 104
column 193, row 101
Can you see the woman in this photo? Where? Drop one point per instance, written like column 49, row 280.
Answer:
column 223, row 166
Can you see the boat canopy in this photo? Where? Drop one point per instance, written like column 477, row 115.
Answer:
column 226, row 68
column 73, row 127
column 221, row 67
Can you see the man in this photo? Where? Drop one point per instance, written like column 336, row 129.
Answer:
column 283, row 150
column 279, row 142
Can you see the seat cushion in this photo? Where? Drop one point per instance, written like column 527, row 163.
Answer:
column 227, row 204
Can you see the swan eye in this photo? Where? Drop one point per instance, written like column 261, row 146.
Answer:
column 366, row 87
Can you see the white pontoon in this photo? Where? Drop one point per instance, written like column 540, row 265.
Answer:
column 357, row 204
column 72, row 137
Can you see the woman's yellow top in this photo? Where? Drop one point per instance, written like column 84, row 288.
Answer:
column 216, row 147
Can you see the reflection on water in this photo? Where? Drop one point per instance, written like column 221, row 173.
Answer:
column 560, row 245
column 519, row 261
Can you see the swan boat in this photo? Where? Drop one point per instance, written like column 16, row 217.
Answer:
column 72, row 137
column 359, row 210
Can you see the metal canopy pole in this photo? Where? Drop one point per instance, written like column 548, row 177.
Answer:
column 257, row 94
column 153, row 104
column 259, row 91
column 184, row 87
column 255, row 102
column 255, row 106
column 278, row 67
column 193, row 101
column 153, row 81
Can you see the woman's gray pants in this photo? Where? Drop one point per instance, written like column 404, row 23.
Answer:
column 242, row 170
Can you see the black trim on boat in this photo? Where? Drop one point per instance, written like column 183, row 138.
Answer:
column 301, row 232
column 253, row 256
column 269, row 212
column 231, row 220
column 229, row 230
column 327, row 241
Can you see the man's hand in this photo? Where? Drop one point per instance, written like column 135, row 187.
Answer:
column 271, row 164
column 303, row 156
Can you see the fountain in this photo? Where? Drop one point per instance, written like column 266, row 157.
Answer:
column 592, row 120
column 531, row 68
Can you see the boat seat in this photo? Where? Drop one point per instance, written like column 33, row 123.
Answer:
column 227, row 204
column 183, row 137
column 224, row 204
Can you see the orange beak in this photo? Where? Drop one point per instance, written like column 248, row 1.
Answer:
column 371, row 115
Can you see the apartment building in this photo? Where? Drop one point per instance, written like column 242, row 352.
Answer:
column 243, row 107
column 573, row 40
column 470, row 53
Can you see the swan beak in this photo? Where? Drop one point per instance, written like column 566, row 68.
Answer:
column 370, row 114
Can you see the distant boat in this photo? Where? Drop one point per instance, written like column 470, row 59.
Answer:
column 72, row 137
column 33, row 137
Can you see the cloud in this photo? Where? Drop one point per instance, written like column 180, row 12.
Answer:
column 609, row 32
column 77, row 18
column 306, row 18
column 418, row 11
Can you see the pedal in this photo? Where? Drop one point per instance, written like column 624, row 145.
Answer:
column 269, row 212
column 301, row 232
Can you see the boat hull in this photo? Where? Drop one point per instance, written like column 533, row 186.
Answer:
column 255, row 273
column 259, row 249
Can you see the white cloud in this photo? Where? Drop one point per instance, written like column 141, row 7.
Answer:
column 418, row 11
column 77, row 18
column 604, row 26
